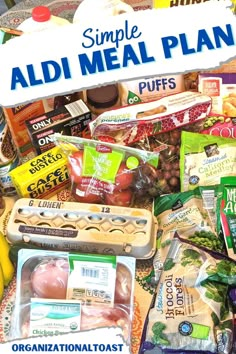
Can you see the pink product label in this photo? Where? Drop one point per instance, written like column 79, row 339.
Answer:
column 211, row 87
column 224, row 129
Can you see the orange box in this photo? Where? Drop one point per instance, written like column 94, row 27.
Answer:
column 16, row 117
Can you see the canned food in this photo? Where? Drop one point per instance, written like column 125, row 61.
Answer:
column 6, row 185
column 7, row 149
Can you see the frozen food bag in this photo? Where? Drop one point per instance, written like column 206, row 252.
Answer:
column 204, row 159
column 227, row 213
column 191, row 311
column 191, row 214
column 220, row 125
column 109, row 174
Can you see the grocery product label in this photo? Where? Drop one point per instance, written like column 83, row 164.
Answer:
column 132, row 123
column 109, row 174
column 204, row 159
column 222, row 89
column 227, row 213
column 50, row 317
column 6, row 184
column 192, row 214
column 15, row 118
column 42, row 176
column 70, row 119
column 190, row 309
column 220, row 125
column 92, row 279
column 84, row 227
column 103, row 166
column 149, row 89
column 119, row 43
column 171, row 3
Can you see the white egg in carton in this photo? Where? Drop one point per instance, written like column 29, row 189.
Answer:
column 92, row 228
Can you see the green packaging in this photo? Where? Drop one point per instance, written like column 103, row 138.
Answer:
column 227, row 214
column 204, row 159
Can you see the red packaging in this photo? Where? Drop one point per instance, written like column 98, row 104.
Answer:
column 103, row 173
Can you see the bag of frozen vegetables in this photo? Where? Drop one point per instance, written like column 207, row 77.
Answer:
column 227, row 213
column 204, row 159
column 192, row 214
column 191, row 311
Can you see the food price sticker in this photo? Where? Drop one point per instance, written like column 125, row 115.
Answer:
column 132, row 45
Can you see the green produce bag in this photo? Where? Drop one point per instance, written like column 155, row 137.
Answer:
column 204, row 159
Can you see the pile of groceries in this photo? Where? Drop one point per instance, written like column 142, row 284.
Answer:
column 148, row 168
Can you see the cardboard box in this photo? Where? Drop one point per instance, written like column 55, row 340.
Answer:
column 8, row 33
column 70, row 119
column 158, row 4
column 221, row 88
column 16, row 117
column 42, row 176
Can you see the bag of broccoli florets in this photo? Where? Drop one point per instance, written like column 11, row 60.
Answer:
column 191, row 310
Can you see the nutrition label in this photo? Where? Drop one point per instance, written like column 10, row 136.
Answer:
column 96, row 278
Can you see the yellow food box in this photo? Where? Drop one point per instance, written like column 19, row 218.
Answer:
column 160, row 4
column 43, row 176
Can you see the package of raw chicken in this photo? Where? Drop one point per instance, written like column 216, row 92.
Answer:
column 63, row 292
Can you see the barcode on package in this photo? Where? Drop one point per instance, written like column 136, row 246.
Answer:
column 77, row 108
column 208, row 197
column 96, row 278
column 90, row 273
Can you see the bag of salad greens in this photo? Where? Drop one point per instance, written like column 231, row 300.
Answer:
column 191, row 311
column 191, row 213
column 227, row 213
column 204, row 159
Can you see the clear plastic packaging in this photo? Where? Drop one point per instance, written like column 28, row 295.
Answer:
column 109, row 174
column 101, row 303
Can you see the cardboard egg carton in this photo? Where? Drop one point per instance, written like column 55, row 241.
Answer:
column 83, row 227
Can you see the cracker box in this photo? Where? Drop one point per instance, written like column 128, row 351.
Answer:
column 221, row 87
column 71, row 119
column 42, row 176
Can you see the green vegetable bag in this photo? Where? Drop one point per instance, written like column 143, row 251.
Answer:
column 192, row 214
column 227, row 213
column 191, row 310
column 204, row 159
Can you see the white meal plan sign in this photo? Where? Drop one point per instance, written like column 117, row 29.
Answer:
column 118, row 48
